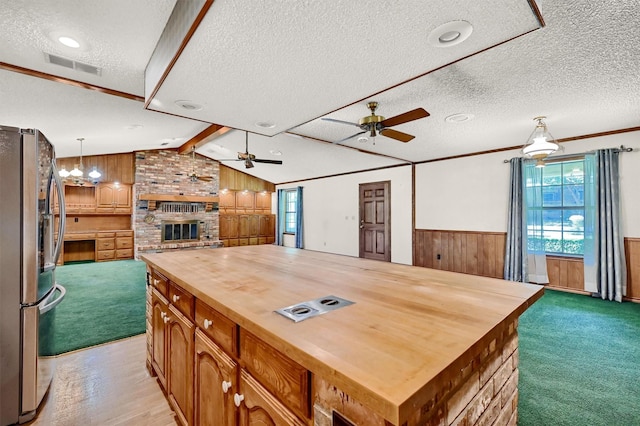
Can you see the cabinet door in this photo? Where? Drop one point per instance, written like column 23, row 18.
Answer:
column 224, row 222
column 180, row 365
column 227, row 202
column 215, row 384
column 258, row 407
column 267, row 225
column 254, row 225
column 243, row 226
column 263, row 202
column 233, row 226
column 122, row 196
column 159, row 310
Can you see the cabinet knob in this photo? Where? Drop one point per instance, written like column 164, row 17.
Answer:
column 207, row 323
column 166, row 319
column 162, row 315
column 156, row 281
column 175, row 298
column 237, row 399
column 226, row 386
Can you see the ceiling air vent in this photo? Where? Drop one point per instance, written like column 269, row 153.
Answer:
column 74, row 65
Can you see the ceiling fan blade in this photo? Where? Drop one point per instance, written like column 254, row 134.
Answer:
column 352, row 136
column 405, row 117
column 205, row 178
column 260, row 160
column 340, row 121
column 394, row 134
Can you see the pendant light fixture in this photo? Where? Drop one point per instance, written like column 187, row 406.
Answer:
column 78, row 170
column 540, row 143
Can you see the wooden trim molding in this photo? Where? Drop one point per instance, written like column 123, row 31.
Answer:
column 68, row 81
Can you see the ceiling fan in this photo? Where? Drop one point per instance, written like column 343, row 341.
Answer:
column 378, row 124
column 248, row 158
column 193, row 176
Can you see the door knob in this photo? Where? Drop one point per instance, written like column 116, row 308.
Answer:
column 237, row 399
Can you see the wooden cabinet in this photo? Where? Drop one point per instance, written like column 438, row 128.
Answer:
column 180, row 341
column 159, row 311
column 124, row 245
column 227, row 202
column 258, row 407
column 215, row 373
column 79, row 199
column 215, row 382
column 113, row 198
column 245, row 202
column 247, row 229
column 263, row 202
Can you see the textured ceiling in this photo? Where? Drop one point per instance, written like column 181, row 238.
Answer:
column 291, row 63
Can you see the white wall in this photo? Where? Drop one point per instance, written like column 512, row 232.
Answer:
column 331, row 216
column 471, row 193
column 467, row 194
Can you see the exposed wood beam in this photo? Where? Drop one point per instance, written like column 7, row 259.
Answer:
column 207, row 135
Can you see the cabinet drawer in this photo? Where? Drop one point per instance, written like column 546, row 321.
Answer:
column 218, row 327
column 124, row 253
column 124, row 234
column 182, row 300
column 78, row 236
column 106, row 234
column 233, row 242
column 243, row 241
column 160, row 282
column 124, row 243
column 106, row 255
column 282, row 376
column 105, row 244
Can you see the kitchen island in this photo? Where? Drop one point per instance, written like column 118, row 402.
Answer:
column 417, row 346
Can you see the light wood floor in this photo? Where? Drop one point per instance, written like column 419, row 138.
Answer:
column 105, row 385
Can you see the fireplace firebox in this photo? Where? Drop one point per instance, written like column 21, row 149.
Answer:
column 178, row 231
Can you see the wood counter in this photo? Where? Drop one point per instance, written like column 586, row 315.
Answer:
column 408, row 339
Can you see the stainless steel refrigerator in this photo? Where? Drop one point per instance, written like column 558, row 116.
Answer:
column 29, row 251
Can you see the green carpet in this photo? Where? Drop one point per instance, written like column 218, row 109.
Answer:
column 579, row 362
column 105, row 301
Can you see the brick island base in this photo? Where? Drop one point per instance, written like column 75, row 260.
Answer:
column 485, row 392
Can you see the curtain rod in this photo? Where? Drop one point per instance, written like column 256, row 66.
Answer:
column 622, row 148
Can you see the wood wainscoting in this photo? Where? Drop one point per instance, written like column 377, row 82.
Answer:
column 469, row 252
column 482, row 253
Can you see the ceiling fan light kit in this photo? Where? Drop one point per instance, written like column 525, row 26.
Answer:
column 540, row 143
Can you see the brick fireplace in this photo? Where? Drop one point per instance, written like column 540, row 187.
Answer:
column 165, row 194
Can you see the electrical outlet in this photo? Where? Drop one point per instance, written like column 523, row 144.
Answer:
column 438, row 257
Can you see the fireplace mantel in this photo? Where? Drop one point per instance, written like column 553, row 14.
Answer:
column 153, row 199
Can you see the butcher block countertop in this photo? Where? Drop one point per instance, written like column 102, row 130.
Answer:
column 408, row 332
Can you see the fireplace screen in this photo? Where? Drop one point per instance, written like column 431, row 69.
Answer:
column 180, row 230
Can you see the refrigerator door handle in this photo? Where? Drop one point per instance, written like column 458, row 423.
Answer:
column 62, row 211
column 49, row 306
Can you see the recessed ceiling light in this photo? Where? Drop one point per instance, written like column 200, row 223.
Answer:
column 266, row 124
column 134, row 126
column 363, row 139
column 189, row 105
column 459, row 118
column 275, row 152
column 450, row 34
column 69, row 42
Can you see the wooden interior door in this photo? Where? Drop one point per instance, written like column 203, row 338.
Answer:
column 375, row 221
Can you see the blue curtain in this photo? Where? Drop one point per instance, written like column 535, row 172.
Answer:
column 605, row 267
column 515, row 264
column 280, row 218
column 299, row 239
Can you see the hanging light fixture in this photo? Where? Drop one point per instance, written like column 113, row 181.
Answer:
column 540, row 143
column 78, row 169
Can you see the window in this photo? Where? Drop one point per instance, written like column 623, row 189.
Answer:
column 290, row 199
column 559, row 188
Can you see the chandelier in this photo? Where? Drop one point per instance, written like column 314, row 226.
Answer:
column 78, row 170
